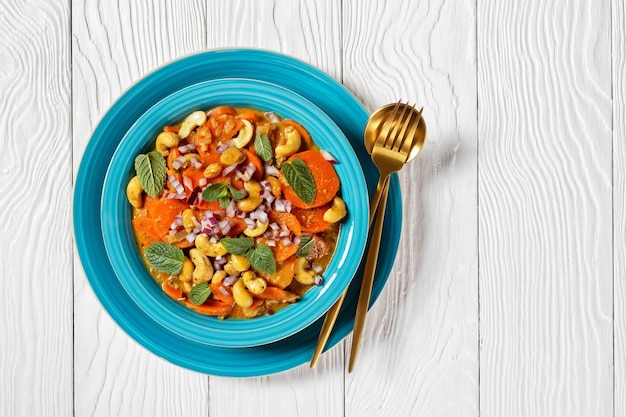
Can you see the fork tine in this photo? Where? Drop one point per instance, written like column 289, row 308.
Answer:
column 411, row 137
column 391, row 139
column 401, row 137
column 387, row 125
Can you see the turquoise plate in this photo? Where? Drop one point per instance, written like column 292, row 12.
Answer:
column 124, row 254
column 330, row 96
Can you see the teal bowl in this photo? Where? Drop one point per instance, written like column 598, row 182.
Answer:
column 125, row 257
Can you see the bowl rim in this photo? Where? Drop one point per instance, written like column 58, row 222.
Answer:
column 129, row 267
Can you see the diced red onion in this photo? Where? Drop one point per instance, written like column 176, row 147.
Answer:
column 279, row 205
column 228, row 144
column 272, row 117
column 267, row 234
column 250, row 223
column 271, row 243
column 284, row 233
column 230, row 280
column 223, row 291
column 327, row 156
column 250, row 169
column 213, row 240
column 176, row 196
column 274, row 226
column 206, row 231
column 286, row 241
column 202, row 182
column 319, row 280
column 263, row 218
column 270, row 199
column 190, row 237
column 224, row 223
column 181, row 159
column 218, row 257
column 191, row 146
column 271, row 170
column 266, row 185
column 230, row 210
column 212, row 221
column 183, row 148
column 217, row 266
column 288, row 206
column 296, row 240
column 176, row 164
column 188, row 182
column 196, row 164
column 229, row 169
column 317, row 268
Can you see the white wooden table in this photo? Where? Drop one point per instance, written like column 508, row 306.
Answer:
column 508, row 296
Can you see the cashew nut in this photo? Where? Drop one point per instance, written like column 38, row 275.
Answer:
column 203, row 271
column 304, row 275
column 254, row 284
column 256, row 231
column 230, row 269
column 208, row 248
column 188, row 222
column 212, row 170
column 240, row 262
column 165, row 141
column 134, row 192
column 336, row 212
column 275, row 185
column 232, row 156
column 253, row 187
column 187, row 287
column 186, row 271
column 292, row 145
column 241, row 295
column 195, row 119
column 218, row 276
column 245, row 134
column 249, row 204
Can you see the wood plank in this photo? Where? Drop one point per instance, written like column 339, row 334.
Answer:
column 545, row 218
column 114, row 44
column 35, row 238
column 309, row 31
column 419, row 353
column 619, row 203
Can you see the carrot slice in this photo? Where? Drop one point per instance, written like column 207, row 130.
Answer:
column 174, row 153
column 173, row 128
column 304, row 134
column 217, row 293
column 218, row 111
column 324, row 176
column 211, row 308
column 237, row 226
column 277, row 294
column 145, row 230
column 175, row 293
column 284, row 273
column 249, row 116
column 312, row 220
column 163, row 212
column 251, row 158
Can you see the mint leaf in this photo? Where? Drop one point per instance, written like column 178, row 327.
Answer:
column 215, row 191
column 225, row 202
column 305, row 246
column 151, row 171
column 199, row 293
column 237, row 246
column 263, row 147
column 300, row 179
column 262, row 259
column 165, row 257
column 237, row 195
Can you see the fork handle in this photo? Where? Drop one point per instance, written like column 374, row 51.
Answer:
column 376, row 197
column 368, row 276
column 333, row 312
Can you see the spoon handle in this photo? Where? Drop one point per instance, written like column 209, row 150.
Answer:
column 333, row 312
column 368, row 277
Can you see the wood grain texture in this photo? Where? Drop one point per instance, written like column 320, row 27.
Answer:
column 114, row 44
column 35, row 190
column 544, row 90
column 619, row 202
column 419, row 353
column 309, row 31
